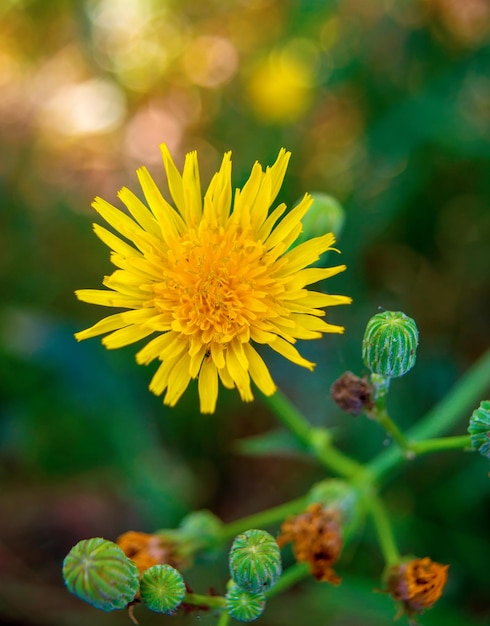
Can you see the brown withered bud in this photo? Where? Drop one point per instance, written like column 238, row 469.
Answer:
column 417, row 584
column 352, row 394
column 147, row 550
column 317, row 540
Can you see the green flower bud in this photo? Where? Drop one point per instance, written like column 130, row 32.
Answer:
column 202, row 525
column 243, row 605
column 162, row 588
column 255, row 561
column 326, row 215
column 479, row 428
column 99, row 572
column 390, row 344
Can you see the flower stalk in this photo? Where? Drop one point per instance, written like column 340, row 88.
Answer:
column 316, row 441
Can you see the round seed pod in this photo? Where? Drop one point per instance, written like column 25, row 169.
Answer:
column 389, row 347
column 243, row 605
column 162, row 588
column 255, row 561
column 99, row 572
column 479, row 429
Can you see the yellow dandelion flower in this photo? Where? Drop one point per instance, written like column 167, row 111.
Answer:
column 211, row 281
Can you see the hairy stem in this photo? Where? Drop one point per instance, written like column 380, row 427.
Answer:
column 224, row 619
column 442, row 443
column 460, row 401
column 213, row 602
column 316, row 440
column 377, row 511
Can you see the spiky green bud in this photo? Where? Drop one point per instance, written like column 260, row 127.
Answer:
column 162, row 588
column 255, row 561
column 99, row 572
column 389, row 347
column 243, row 605
column 479, row 428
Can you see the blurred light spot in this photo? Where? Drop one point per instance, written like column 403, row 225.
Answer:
column 280, row 86
column 210, row 61
column 329, row 33
column 474, row 107
column 136, row 40
column 95, row 106
column 120, row 15
column 160, row 121
column 467, row 20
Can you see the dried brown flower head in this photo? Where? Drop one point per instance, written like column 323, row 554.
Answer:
column 316, row 539
column 417, row 584
column 352, row 394
column 147, row 550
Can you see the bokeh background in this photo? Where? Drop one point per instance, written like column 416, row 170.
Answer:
column 385, row 104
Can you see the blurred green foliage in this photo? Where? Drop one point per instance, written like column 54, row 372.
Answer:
column 385, row 105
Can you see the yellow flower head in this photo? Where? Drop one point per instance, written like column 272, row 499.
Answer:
column 210, row 281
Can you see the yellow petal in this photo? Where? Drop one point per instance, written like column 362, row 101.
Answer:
column 239, row 375
column 278, row 171
column 178, row 380
column 313, row 275
column 174, row 180
column 114, row 243
column 258, row 371
column 126, row 336
column 289, row 352
column 105, row 297
column 318, row 299
column 192, row 190
column 217, row 201
column 159, row 348
column 171, row 223
column 208, row 386
column 308, row 252
column 268, row 225
column 289, row 223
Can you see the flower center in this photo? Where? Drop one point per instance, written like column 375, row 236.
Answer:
column 216, row 284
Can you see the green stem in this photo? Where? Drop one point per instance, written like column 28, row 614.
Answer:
column 263, row 518
column 213, row 602
column 224, row 618
column 461, row 400
column 442, row 443
column 316, row 440
column 381, row 385
column 289, row 415
column 289, row 577
column 392, row 429
column 377, row 510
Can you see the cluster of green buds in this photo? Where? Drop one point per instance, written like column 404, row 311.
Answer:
column 101, row 573
column 98, row 572
column 111, row 576
column 255, row 567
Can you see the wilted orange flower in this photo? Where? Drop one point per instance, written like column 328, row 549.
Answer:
column 317, row 540
column 417, row 584
column 147, row 550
